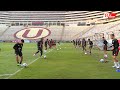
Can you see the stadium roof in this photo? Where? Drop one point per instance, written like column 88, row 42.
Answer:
column 62, row 16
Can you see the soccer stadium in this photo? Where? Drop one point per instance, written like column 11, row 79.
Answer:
column 59, row 44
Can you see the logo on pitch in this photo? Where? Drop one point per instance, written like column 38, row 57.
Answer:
column 32, row 33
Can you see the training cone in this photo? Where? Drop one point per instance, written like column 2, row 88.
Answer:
column 118, row 70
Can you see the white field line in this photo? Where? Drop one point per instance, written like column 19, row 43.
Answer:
column 21, row 69
column 10, row 75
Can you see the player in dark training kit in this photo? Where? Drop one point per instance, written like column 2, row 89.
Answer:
column 51, row 42
column 105, row 48
column 40, row 47
column 90, row 44
column 46, row 43
column 18, row 51
column 84, row 44
column 74, row 42
column 79, row 43
column 115, row 51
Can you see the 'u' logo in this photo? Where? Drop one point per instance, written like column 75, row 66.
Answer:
column 32, row 33
column 25, row 35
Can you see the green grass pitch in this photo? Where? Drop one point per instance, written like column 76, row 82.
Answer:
column 67, row 63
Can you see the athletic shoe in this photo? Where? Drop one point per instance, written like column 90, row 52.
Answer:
column 117, row 67
column 34, row 54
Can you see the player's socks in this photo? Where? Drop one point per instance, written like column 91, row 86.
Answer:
column 118, row 65
column 115, row 65
column 105, row 57
column 21, row 61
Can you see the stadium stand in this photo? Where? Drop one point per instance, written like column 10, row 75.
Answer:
column 103, row 28
column 60, row 23
column 3, row 28
column 9, row 34
column 56, row 32
column 71, row 33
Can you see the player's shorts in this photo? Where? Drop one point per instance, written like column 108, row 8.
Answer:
column 105, row 48
column 18, row 53
column 115, row 52
column 40, row 49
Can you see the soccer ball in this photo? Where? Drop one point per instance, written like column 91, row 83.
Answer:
column 101, row 60
column 45, row 56
column 24, row 65
column 85, row 53
column 60, row 48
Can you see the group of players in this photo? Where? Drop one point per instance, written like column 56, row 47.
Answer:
column 51, row 43
column 82, row 43
column 115, row 48
column 18, row 48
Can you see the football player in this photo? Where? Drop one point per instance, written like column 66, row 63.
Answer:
column 40, row 47
column 90, row 45
column 115, row 50
column 18, row 52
